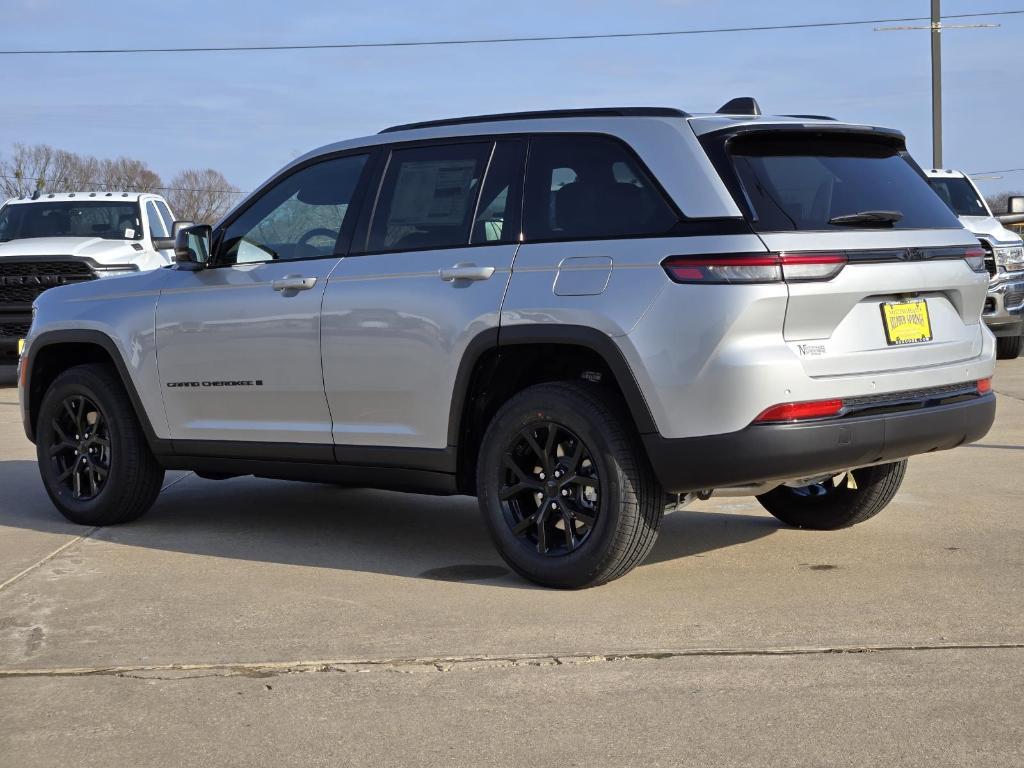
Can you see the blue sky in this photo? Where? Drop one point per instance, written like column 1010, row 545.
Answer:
column 246, row 114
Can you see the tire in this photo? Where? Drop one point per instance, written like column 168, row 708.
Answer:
column 1008, row 347
column 838, row 502
column 93, row 398
column 608, row 502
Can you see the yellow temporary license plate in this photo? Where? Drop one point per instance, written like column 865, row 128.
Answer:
column 906, row 322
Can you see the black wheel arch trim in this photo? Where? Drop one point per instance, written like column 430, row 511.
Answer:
column 555, row 333
column 106, row 343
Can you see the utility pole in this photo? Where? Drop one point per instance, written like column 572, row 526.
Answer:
column 936, row 28
column 936, row 35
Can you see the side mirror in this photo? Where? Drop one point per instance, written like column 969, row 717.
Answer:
column 167, row 243
column 192, row 246
column 1015, row 204
column 179, row 225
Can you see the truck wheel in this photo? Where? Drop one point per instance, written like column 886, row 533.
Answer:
column 565, row 488
column 93, row 456
column 839, row 502
column 1008, row 347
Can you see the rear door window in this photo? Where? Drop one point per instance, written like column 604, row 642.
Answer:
column 428, row 197
column 801, row 182
column 585, row 187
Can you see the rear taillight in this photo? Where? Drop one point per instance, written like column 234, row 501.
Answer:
column 975, row 258
column 984, row 386
column 815, row 409
column 754, row 268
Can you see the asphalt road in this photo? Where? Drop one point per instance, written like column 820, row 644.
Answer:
column 258, row 623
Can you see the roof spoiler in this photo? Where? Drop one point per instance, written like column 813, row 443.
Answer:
column 741, row 105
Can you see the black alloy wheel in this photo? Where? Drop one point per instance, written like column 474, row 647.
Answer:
column 80, row 447
column 550, row 490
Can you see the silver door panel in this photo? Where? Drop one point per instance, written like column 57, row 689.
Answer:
column 394, row 332
column 232, row 324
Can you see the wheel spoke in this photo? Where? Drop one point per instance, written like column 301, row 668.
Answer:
column 584, row 517
column 570, row 534
column 60, row 431
column 542, row 534
column 576, row 458
column 527, row 435
column 71, row 412
column 64, row 445
column 586, row 482
column 100, row 471
column 509, row 463
column 76, row 475
column 549, row 445
column 525, row 524
column 509, row 491
column 80, row 416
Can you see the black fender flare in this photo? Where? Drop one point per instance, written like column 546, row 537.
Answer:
column 106, row 343
column 555, row 333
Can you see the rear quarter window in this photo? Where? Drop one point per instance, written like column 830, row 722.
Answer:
column 801, row 182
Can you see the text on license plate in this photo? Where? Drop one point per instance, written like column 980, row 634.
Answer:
column 906, row 322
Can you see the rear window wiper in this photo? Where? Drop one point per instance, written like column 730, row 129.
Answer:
column 880, row 218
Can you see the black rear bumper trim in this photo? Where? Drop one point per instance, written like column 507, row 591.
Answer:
column 767, row 452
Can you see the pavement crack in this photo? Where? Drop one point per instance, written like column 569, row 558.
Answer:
column 170, row 672
column 67, row 545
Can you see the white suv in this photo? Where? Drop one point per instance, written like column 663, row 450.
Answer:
column 55, row 239
column 570, row 315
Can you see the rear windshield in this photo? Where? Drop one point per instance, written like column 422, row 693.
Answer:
column 108, row 220
column 800, row 182
column 959, row 194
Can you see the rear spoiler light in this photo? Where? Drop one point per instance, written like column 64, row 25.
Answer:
column 730, row 268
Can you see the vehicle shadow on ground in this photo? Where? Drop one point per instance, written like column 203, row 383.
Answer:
column 323, row 526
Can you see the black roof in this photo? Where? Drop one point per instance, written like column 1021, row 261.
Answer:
column 545, row 114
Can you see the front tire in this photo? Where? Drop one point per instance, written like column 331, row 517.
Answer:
column 1008, row 347
column 565, row 488
column 839, row 502
column 93, row 457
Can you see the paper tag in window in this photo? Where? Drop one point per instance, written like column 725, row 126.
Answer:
column 129, row 233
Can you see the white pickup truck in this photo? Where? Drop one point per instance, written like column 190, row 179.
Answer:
column 53, row 239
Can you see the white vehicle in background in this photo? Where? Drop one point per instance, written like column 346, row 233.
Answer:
column 1004, row 258
column 53, row 239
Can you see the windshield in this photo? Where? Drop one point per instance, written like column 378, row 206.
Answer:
column 960, row 196
column 94, row 218
column 801, row 182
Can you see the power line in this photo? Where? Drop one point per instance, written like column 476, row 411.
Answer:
column 494, row 40
column 992, row 173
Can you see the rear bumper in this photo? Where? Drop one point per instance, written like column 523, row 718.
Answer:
column 766, row 452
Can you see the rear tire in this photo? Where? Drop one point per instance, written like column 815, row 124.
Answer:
column 1008, row 347
column 93, row 457
column 831, row 505
column 565, row 487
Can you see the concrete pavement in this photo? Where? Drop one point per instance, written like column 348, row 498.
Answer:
column 252, row 622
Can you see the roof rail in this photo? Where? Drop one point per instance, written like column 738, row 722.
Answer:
column 741, row 105
column 812, row 117
column 544, row 115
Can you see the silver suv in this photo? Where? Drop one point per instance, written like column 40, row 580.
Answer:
column 581, row 317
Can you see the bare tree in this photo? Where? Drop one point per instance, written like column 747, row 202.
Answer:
column 47, row 169
column 202, row 196
column 998, row 202
column 126, row 175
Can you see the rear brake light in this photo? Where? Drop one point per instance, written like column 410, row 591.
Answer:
column 815, row 409
column 975, row 258
column 754, row 268
column 984, row 386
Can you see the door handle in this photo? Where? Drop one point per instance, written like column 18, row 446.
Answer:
column 293, row 283
column 465, row 272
